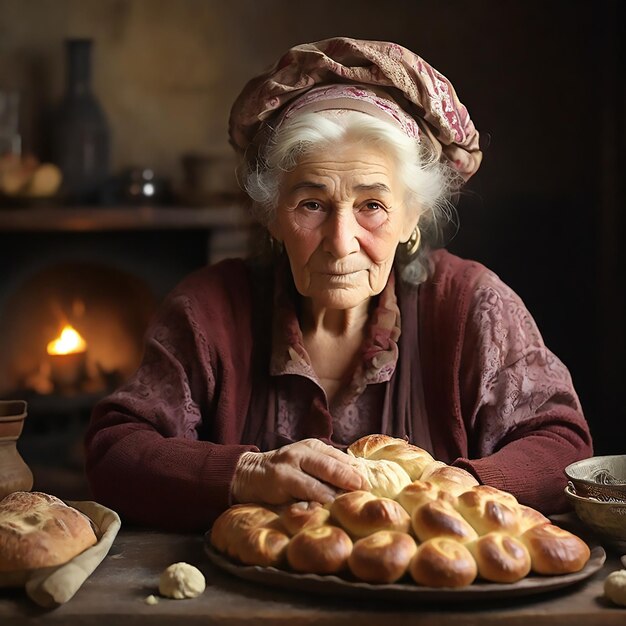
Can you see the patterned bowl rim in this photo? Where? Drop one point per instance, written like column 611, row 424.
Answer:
column 576, row 498
column 592, row 483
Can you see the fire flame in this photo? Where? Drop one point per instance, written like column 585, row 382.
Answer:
column 69, row 341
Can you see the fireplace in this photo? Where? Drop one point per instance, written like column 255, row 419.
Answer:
column 76, row 297
column 104, row 309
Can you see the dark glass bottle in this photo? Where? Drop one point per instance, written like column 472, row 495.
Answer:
column 81, row 132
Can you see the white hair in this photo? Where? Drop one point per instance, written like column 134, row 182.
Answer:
column 429, row 183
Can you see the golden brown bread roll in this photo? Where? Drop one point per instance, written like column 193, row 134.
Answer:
column 454, row 480
column 321, row 550
column 554, row 550
column 410, row 458
column 39, row 530
column 361, row 513
column 420, row 492
column 260, row 546
column 382, row 557
column 443, row 562
column 299, row 515
column 529, row 517
column 440, row 519
column 500, row 558
column 488, row 509
column 366, row 446
column 235, row 521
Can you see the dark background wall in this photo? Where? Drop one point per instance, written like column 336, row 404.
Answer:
column 544, row 80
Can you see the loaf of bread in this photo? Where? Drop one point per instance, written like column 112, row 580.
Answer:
column 422, row 520
column 39, row 530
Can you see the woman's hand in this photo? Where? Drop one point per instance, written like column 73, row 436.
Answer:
column 305, row 470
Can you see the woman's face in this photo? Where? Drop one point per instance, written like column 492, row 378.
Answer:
column 340, row 216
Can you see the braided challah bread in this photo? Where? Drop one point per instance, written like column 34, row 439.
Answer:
column 422, row 520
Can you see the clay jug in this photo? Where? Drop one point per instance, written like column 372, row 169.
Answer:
column 15, row 475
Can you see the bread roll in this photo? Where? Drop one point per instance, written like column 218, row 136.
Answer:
column 454, row 480
column 366, row 446
column 443, row 562
column 361, row 513
column 300, row 515
column 39, row 530
column 322, row 550
column 554, row 550
column 420, row 492
column 238, row 520
column 500, row 558
column 529, row 517
column 488, row 510
column 440, row 519
column 410, row 458
column 382, row 557
column 260, row 546
column 386, row 478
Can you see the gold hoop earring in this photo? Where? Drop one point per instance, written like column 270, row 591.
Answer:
column 413, row 244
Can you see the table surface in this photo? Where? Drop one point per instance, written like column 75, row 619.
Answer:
column 115, row 595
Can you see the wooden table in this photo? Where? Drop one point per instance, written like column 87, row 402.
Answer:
column 115, row 595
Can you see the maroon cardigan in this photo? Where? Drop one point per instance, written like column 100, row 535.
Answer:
column 162, row 450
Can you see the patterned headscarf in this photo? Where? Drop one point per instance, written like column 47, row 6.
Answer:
column 389, row 70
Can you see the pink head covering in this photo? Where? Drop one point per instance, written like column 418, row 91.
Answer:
column 379, row 78
column 341, row 97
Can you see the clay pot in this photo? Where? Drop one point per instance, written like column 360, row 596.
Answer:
column 15, row 475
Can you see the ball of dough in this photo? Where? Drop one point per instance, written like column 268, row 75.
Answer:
column 615, row 587
column 181, row 580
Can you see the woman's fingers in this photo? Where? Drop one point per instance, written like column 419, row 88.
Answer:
column 299, row 485
column 328, row 469
column 305, row 470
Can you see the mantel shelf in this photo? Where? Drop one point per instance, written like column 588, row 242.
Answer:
column 121, row 218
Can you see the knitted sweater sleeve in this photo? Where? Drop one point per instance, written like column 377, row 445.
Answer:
column 522, row 414
column 144, row 453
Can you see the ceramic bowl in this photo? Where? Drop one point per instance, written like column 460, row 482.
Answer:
column 599, row 477
column 606, row 519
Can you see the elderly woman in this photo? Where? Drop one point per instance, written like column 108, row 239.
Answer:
column 257, row 374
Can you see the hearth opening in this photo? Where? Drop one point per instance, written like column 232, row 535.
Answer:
column 71, row 333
